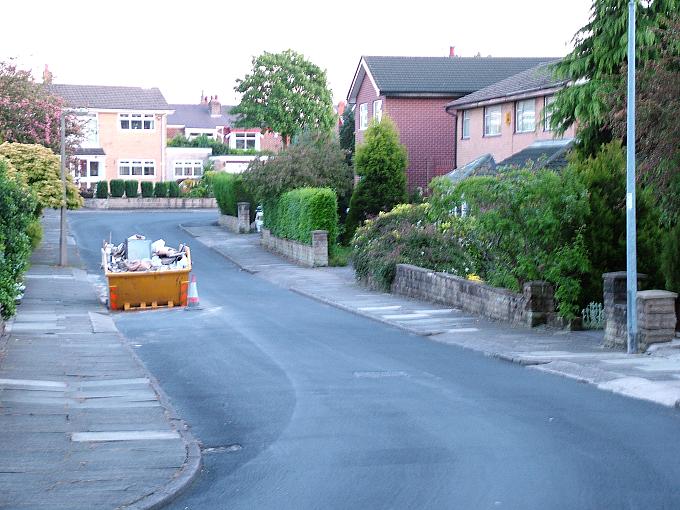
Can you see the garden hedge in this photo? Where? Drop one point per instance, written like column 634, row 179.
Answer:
column 147, row 189
column 131, row 188
column 173, row 189
column 117, row 188
column 102, row 189
column 229, row 190
column 160, row 190
column 299, row 212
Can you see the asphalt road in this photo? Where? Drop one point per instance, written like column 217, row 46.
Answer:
column 300, row 405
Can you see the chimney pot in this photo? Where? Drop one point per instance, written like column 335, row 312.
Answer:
column 452, row 51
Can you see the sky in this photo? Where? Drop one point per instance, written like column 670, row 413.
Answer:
column 188, row 48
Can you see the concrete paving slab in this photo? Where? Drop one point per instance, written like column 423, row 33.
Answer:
column 131, row 435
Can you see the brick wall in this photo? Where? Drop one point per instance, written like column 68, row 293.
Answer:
column 173, row 131
column 314, row 255
column 429, row 134
column 534, row 306
column 271, row 142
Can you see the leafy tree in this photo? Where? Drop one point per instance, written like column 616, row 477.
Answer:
column 285, row 93
column 381, row 162
column 29, row 113
column 347, row 138
column 315, row 161
column 41, row 170
column 594, row 65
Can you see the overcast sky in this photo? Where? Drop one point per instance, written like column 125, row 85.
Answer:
column 192, row 46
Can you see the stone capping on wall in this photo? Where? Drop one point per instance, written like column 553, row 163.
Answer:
column 315, row 255
column 150, row 203
column 534, row 306
column 237, row 224
column 655, row 311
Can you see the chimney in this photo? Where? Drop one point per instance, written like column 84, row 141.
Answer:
column 215, row 107
column 204, row 99
column 47, row 75
column 452, row 51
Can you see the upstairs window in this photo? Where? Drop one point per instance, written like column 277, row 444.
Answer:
column 377, row 110
column 465, row 125
column 492, row 120
column 245, row 140
column 189, row 168
column 525, row 116
column 547, row 112
column 363, row 116
column 136, row 167
column 136, row 121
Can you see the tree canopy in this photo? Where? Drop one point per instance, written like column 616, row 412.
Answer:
column 285, row 93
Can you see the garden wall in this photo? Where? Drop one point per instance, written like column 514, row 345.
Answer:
column 533, row 307
column 315, row 255
column 150, row 203
column 238, row 224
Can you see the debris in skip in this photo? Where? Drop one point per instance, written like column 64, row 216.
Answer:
column 138, row 254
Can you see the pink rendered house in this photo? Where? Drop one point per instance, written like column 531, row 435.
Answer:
column 414, row 92
column 507, row 117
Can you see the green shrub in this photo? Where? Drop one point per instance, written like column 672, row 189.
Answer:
column 173, row 189
column 102, row 189
column 381, row 162
column 17, row 206
column 405, row 236
column 229, row 190
column 34, row 231
column 670, row 259
column 160, row 190
column 147, row 189
column 299, row 212
column 131, row 188
column 524, row 225
column 117, row 188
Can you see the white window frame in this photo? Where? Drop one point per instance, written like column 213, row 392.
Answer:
column 89, row 122
column 363, row 116
column 187, row 168
column 465, row 125
column 494, row 112
column 547, row 112
column 145, row 121
column 136, row 167
column 377, row 109
column 244, row 136
column 525, row 118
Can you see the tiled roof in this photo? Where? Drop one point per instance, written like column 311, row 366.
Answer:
column 544, row 153
column 483, row 165
column 537, row 78
column 444, row 75
column 110, row 97
column 90, row 152
column 198, row 116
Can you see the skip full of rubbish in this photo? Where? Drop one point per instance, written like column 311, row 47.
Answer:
column 138, row 254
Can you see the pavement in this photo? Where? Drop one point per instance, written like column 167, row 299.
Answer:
column 653, row 376
column 84, row 424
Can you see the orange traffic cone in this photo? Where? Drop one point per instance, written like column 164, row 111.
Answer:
column 192, row 298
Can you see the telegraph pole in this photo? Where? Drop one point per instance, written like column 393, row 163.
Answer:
column 62, row 220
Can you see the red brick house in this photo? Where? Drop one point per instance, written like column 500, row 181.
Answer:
column 414, row 92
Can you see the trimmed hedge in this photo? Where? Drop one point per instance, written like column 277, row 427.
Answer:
column 102, row 189
column 229, row 190
column 299, row 212
column 160, row 190
column 173, row 189
column 117, row 188
column 147, row 189
column 131, row 188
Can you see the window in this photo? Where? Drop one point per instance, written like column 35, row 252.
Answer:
column 189, row 168
column 94, row 168
column 136, row 121
column 136, row 167
column 90, row 130
column 377, row 110
column 492, row 120
column 525, row 116
column 363, row 116
column 84, row 168
column 465, row 124
column 245, row 140
column 547, row 112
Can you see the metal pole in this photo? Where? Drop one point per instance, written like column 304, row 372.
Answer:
column 631, row 252
column 62, row 220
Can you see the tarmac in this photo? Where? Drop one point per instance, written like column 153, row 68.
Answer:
column 84, row 424
column 580, row 355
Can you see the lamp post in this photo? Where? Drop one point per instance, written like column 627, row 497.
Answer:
column 62, row 220
column 631, row 251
